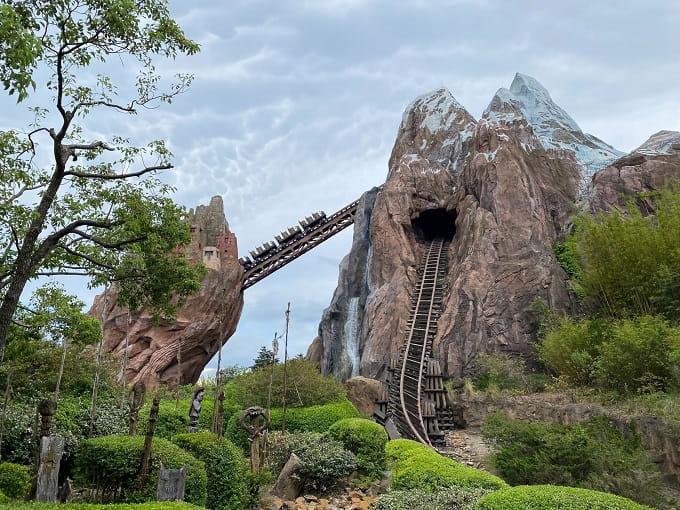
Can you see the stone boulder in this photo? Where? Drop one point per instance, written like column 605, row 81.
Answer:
column 363, row 392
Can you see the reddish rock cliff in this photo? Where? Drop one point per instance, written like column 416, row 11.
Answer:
column 152, row 348
column 503, row 187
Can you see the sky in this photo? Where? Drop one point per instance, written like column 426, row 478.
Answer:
column 295, row 106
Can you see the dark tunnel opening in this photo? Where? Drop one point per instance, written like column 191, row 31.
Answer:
column 433, row 223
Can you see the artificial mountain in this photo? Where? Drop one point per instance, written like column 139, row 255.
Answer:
column 503, row 189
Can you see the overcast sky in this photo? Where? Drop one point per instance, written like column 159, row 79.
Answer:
column 296, row 104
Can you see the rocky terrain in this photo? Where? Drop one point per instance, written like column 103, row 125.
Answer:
column 503, row 188
column 205, row 322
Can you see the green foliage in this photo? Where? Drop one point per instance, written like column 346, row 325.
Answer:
column 70, row 421
column 224, row 467
column 32, row 505
column 415, row 466
column 626, row 355
column 592, row 455
column 15, row 480
column 306, row 419
column 306, row 386
column 324, row 460
column 450, row 498
column 111, row 464
column 72, row 203
column 550, row 497
column 173, row 419
column 499, row 370
column 366, row 440
column 568, row 257
column 631, row 262
column 265, row 358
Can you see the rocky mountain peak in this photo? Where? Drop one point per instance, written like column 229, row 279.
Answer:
column 434, row 127
column 663, row 142
column 530, row 101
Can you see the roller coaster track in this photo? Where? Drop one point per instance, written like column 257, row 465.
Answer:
column 413, row 398
column 295, row 242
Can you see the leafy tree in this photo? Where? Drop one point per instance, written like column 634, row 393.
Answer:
column 265, row 357
column 71, row 203
column 631, row 262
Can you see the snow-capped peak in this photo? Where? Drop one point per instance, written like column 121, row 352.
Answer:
column 437, row 108
column 527, row 99
column 663, row 142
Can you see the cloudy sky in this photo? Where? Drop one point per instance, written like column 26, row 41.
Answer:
column 296, row 104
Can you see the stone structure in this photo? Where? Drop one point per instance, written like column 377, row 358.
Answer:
column 171, row 483
column 153, row 347
column 195, row 408
column 504, row 189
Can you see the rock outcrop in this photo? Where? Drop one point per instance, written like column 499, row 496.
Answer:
column 205, row 322
column 503, row 189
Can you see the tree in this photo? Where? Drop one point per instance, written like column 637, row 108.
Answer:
column 265, row 358
column 71, row 204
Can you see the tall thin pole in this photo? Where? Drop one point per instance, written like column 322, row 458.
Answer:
column 95, row 386
column 216, row 426
column 285, row 366
column 123, row 364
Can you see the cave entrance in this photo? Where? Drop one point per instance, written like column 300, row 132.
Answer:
column 434, row 223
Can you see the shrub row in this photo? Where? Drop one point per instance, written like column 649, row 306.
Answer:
column 451, row 498
column 15, row 480
column 414, row 465
column 306, row 419
column 111, row 464
column 31, row 505
column 551, row 497
column 224, row 467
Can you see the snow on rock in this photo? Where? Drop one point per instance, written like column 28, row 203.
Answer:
column 663, row 142
column 528, row 100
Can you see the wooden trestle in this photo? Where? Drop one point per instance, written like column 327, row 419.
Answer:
column 412, row 402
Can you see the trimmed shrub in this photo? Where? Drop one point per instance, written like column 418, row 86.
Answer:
column 324, row 461
column 306, row 419
column 366, row 440
column 592, row 455
column 415, row 466
column 549, row 497
column 224, row 467
column 451, row 498
column 15, row 480
column 111, row 465
column 32, row 505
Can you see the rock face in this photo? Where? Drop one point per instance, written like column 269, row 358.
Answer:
column 152, row 348
column 502, row 189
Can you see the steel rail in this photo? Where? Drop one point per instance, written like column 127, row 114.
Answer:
column 427, row 283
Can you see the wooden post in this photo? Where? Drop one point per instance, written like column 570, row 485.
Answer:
column 285, row 367
column 220, row 415
column 47, row 484
column 136, row 403
column 146, row 452
column 95, row 385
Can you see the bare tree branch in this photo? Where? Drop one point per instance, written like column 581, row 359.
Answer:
column 23, row 190
column 86, row 257
column 146, row 170
column 104, row 244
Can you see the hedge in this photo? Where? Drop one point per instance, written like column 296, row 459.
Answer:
column 15, row 480
column 366, row 439
column 450, row 498
column 224, row 467
column 111, row 465
column 32, row 505
column 174, row 419
column 553, row 497
column 416, row 466
column 303, row 419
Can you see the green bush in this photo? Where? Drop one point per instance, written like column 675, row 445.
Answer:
column 173, row 419
column 451, row 498
column 626, row 355
column 224, row 466
column 366, row 440
column 306, row 419
column 15, row 480
column 306, row 386
column 500, row 370
column 551, row 497
column 32, row 505
column 111, row 464
column 324, row 460
column 415, row 466
column 591, row 455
